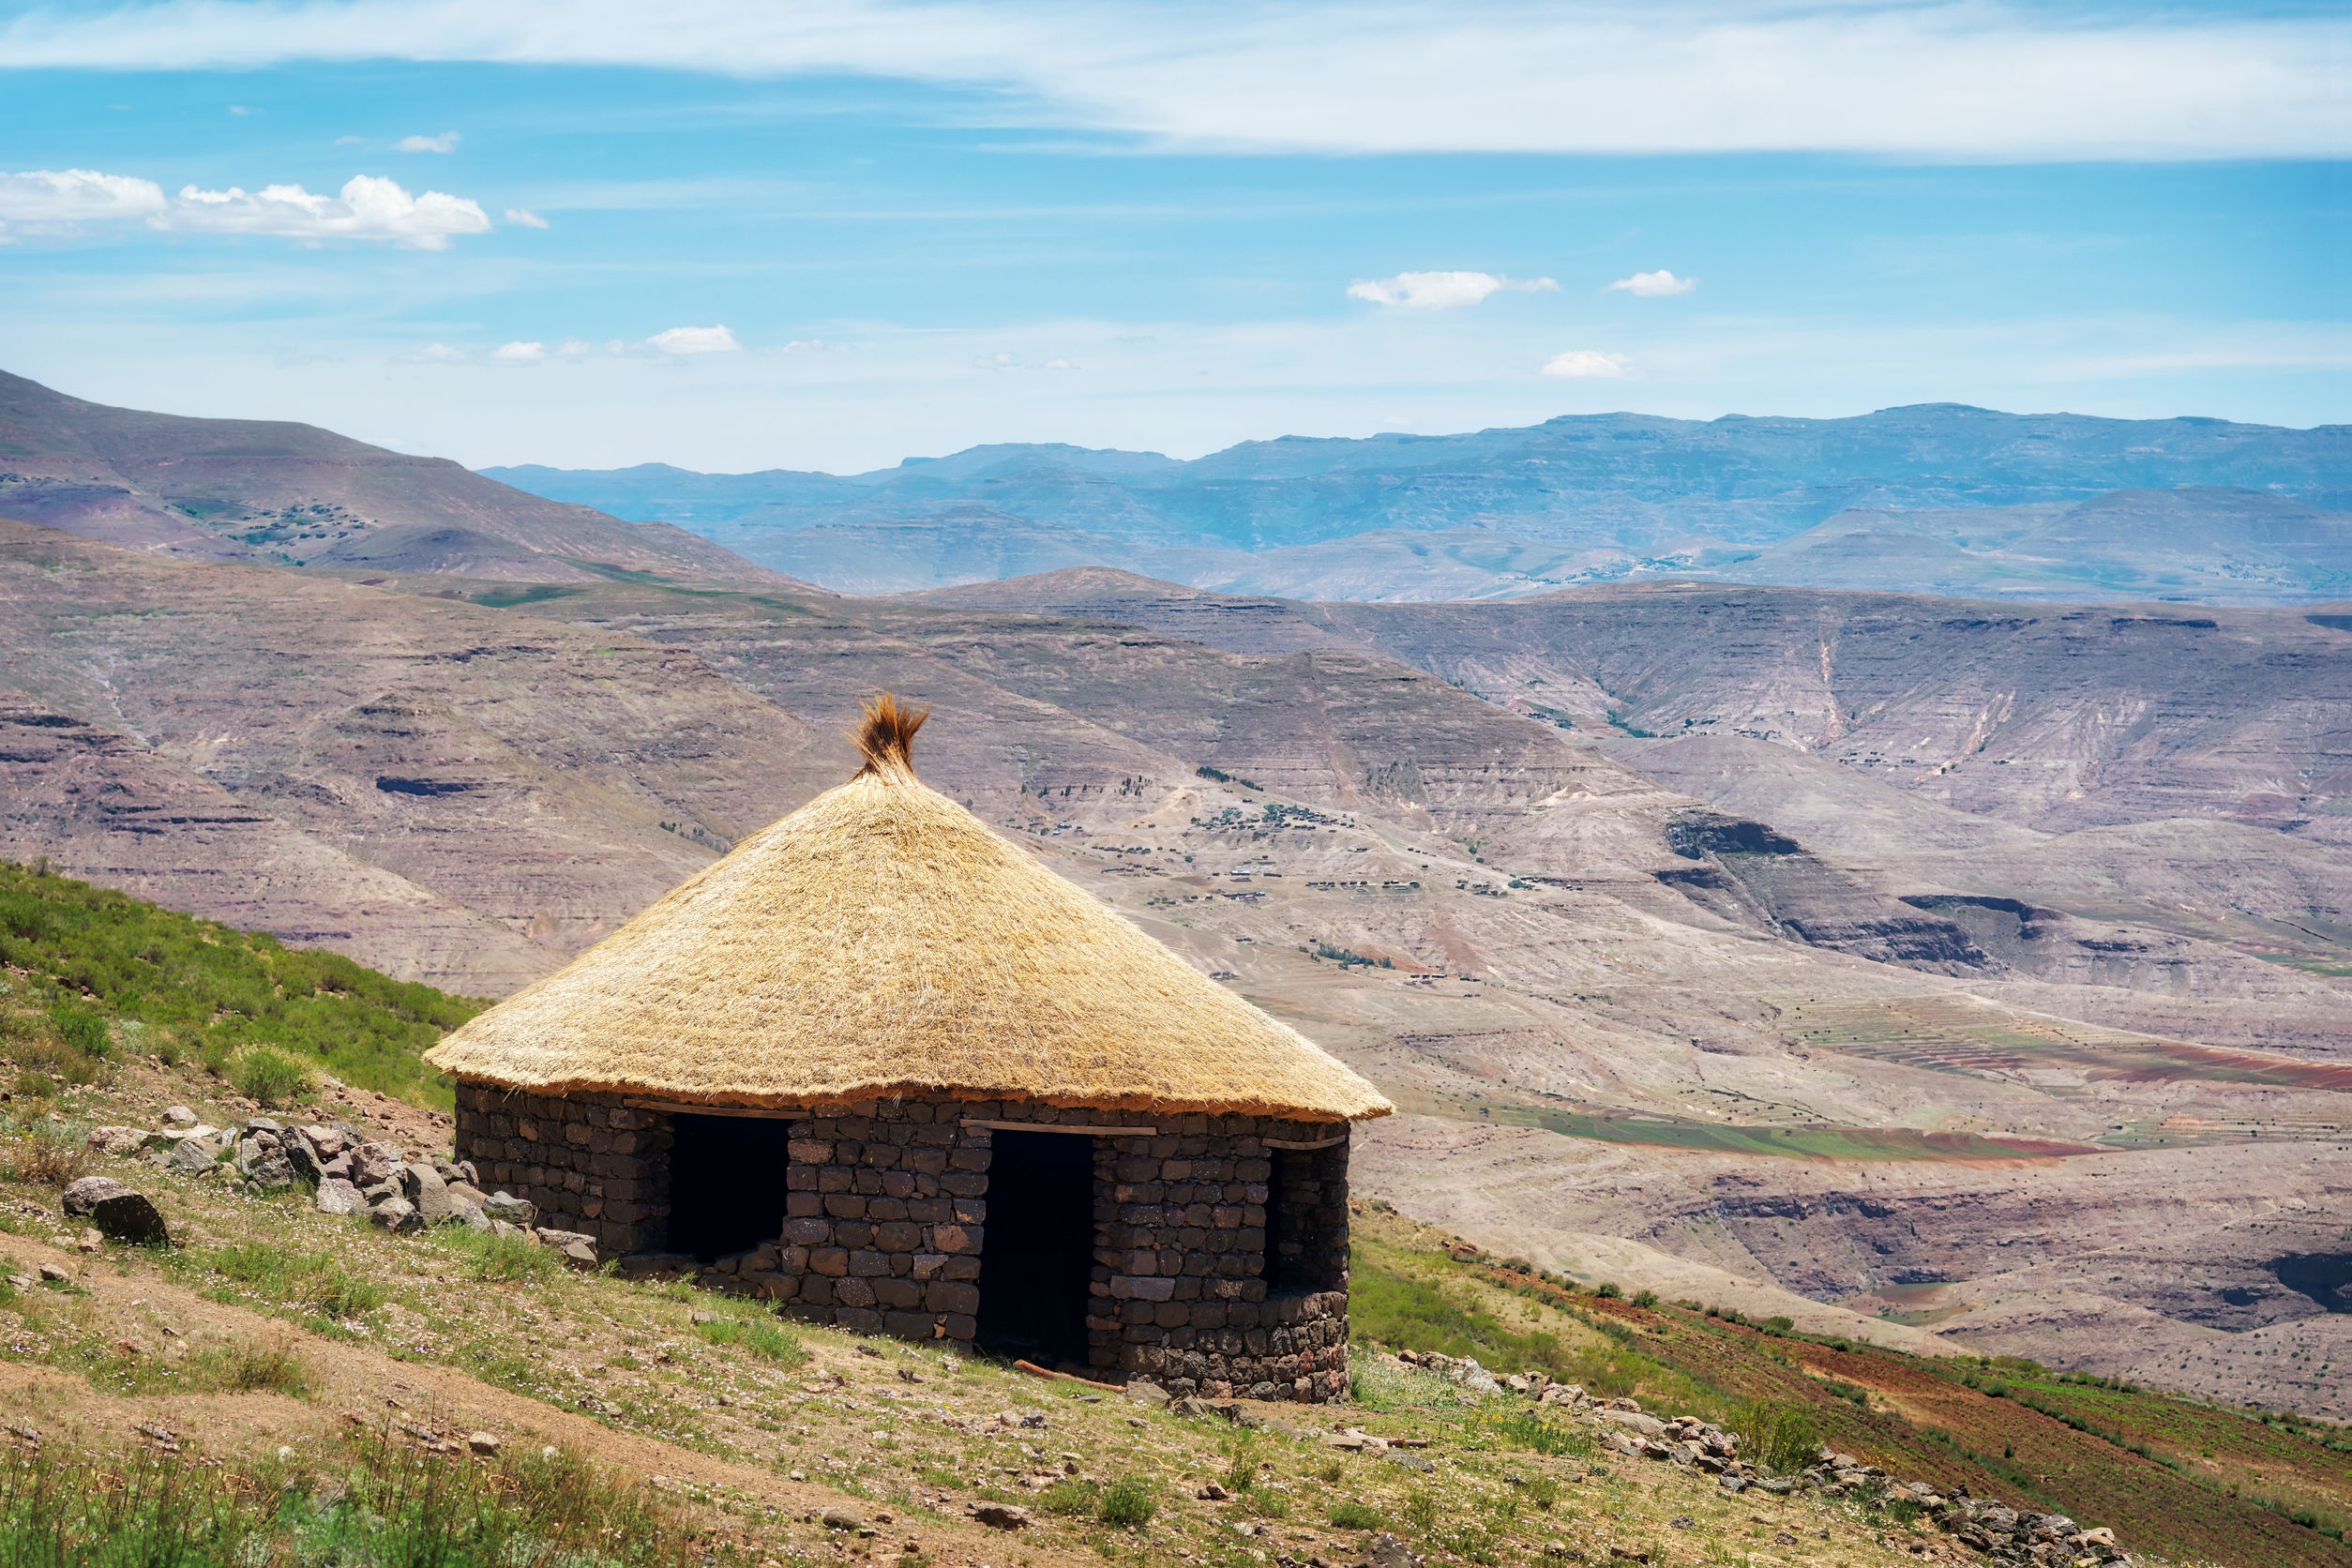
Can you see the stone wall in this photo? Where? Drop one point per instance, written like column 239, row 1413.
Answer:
column 588, row 1162
column 1196, row 1283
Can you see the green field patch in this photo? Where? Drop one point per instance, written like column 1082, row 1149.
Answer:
column 1797, row 1143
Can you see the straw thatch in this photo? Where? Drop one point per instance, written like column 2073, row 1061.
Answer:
column 881, row 941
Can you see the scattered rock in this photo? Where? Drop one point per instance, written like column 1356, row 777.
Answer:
column 1145, row 1393
column 192, row 1156
column 484, row 1443
column 117, row 1211
column 397, row 1215
column 423, row 1186
column 338, row 1197
column 1001, row 1516
column 506, row 1208
column 118, row 1141
column 1386, row 1551
column 374, row 1164
column 578, row 1247
column 840, row 1518
column 179, row 1116
column 1212, row 1493
column 89, row 1240
column 58, row 1273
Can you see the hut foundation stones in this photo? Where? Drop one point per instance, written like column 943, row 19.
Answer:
column 1218, row 1242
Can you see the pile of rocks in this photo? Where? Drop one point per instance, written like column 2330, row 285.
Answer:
column 350, row 1173
column 2003, row 1533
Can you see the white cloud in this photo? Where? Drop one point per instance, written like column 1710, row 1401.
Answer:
column 1589, row 365
column 695, row 339
column 445, row 142
column 351, row 140
column 54, row 198
column 574, row 347
column 1982, row 80
column 239, row 109
column 1651, row 285
column 520, row 354
column 369, row 208
column 524, row 218
column 440, row 353
column 1441, row 291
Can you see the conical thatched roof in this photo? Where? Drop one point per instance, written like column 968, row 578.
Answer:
column 880, row 941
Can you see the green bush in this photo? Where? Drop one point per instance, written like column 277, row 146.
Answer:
column 312, row 1281
column 1354, row 1516
column 1128, row 1504
column 503, row 1257
column 761, row 1337
column 272, row 1078
column 82, row 1031
column 1543, row 1491
column 1608, row 1288
column 1423, row 1511
column 1071, row 1497
column 1522, row 1427
column 1778, row 1434
column 1645, row 1298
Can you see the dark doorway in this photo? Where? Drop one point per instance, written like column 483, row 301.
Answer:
column 726, row 1182
column 1037, row 1253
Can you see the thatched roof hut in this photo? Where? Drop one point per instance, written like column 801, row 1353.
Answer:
column 883, row 941
column 843, row 1069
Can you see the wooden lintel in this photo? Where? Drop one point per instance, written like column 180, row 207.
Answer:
column 1062, row 1127
column 675, row 1108
column 1294, row 1143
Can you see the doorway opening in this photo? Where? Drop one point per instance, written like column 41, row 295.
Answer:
column 1037, row 1257
column 726, row 1184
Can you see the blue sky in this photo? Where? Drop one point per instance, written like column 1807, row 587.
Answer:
column 927, row 226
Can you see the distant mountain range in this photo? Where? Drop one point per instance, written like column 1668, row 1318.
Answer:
column 280, row 494
column 1936, row 498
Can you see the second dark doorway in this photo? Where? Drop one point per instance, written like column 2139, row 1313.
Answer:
column 1037, row 1255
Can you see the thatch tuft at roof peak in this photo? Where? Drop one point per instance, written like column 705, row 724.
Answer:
column 886, row 739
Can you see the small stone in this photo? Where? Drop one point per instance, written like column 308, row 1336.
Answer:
column 840, row 1518
column 1212, row 1493
column 1682, row 1521
column 179, row 1116
column 1386, row 1551
column 55, row 1273
column 1145, row 1393
column 376, row 1163
column 118, row 1141
column 89, row 1240
column 1001, row 1516
column 484, row 1443
column 193, row 1157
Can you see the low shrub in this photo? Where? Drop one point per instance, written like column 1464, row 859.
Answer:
column 498, row 1258
column 1354, row 1516
column 52, row 1156
column 313, row 1281
column 1778, row 1434
column 1128, row 1504
column 271, row 1078
column 761, row 1337
column 1072, row 1499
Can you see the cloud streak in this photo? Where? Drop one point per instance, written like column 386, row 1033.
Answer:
column 445, row 142
column 52, row 202
column 1589, row 365
column 1442, row 291
column 1979, row 81
column 695, row 339
column 1654, row 285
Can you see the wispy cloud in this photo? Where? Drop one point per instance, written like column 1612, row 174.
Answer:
column 523, row 218
column 519, row 353
column 1977, row 81
column 695, row 339
column 368, row 208
column 1441, row 291
column 445, row 142
column 1589, row 365
column 1654, row 285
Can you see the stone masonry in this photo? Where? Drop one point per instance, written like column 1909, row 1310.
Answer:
column 588, row 1162
column 1220, row 1254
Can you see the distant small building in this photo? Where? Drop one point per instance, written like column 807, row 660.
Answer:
column 882, row 1067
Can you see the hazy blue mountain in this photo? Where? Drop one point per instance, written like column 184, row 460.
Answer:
column 1634, row 482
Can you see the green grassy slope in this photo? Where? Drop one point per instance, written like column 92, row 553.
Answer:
column 93, row 976
column 2170, row 1476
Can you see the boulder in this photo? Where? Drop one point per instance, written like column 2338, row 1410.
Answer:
column 328, row 1141
column 117, row 1211
column 506, row 1207
column 1633, row 1421
column 192, row 1156
column 178, row 1116
column 1001, row 1516
column 466, row 1192
column 484, row 1443
column 840, row 1518
column 397, row 1215
column 578, row 1247
column 1143, row 1391
column 118, row 1141
column 338, row 1197
column 271, row 1174
column 1386, row 1551
column 423, row 1186
column 470, row 1215
column 373, row 1163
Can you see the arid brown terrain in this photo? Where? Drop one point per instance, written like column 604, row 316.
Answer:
column 1929, row 970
